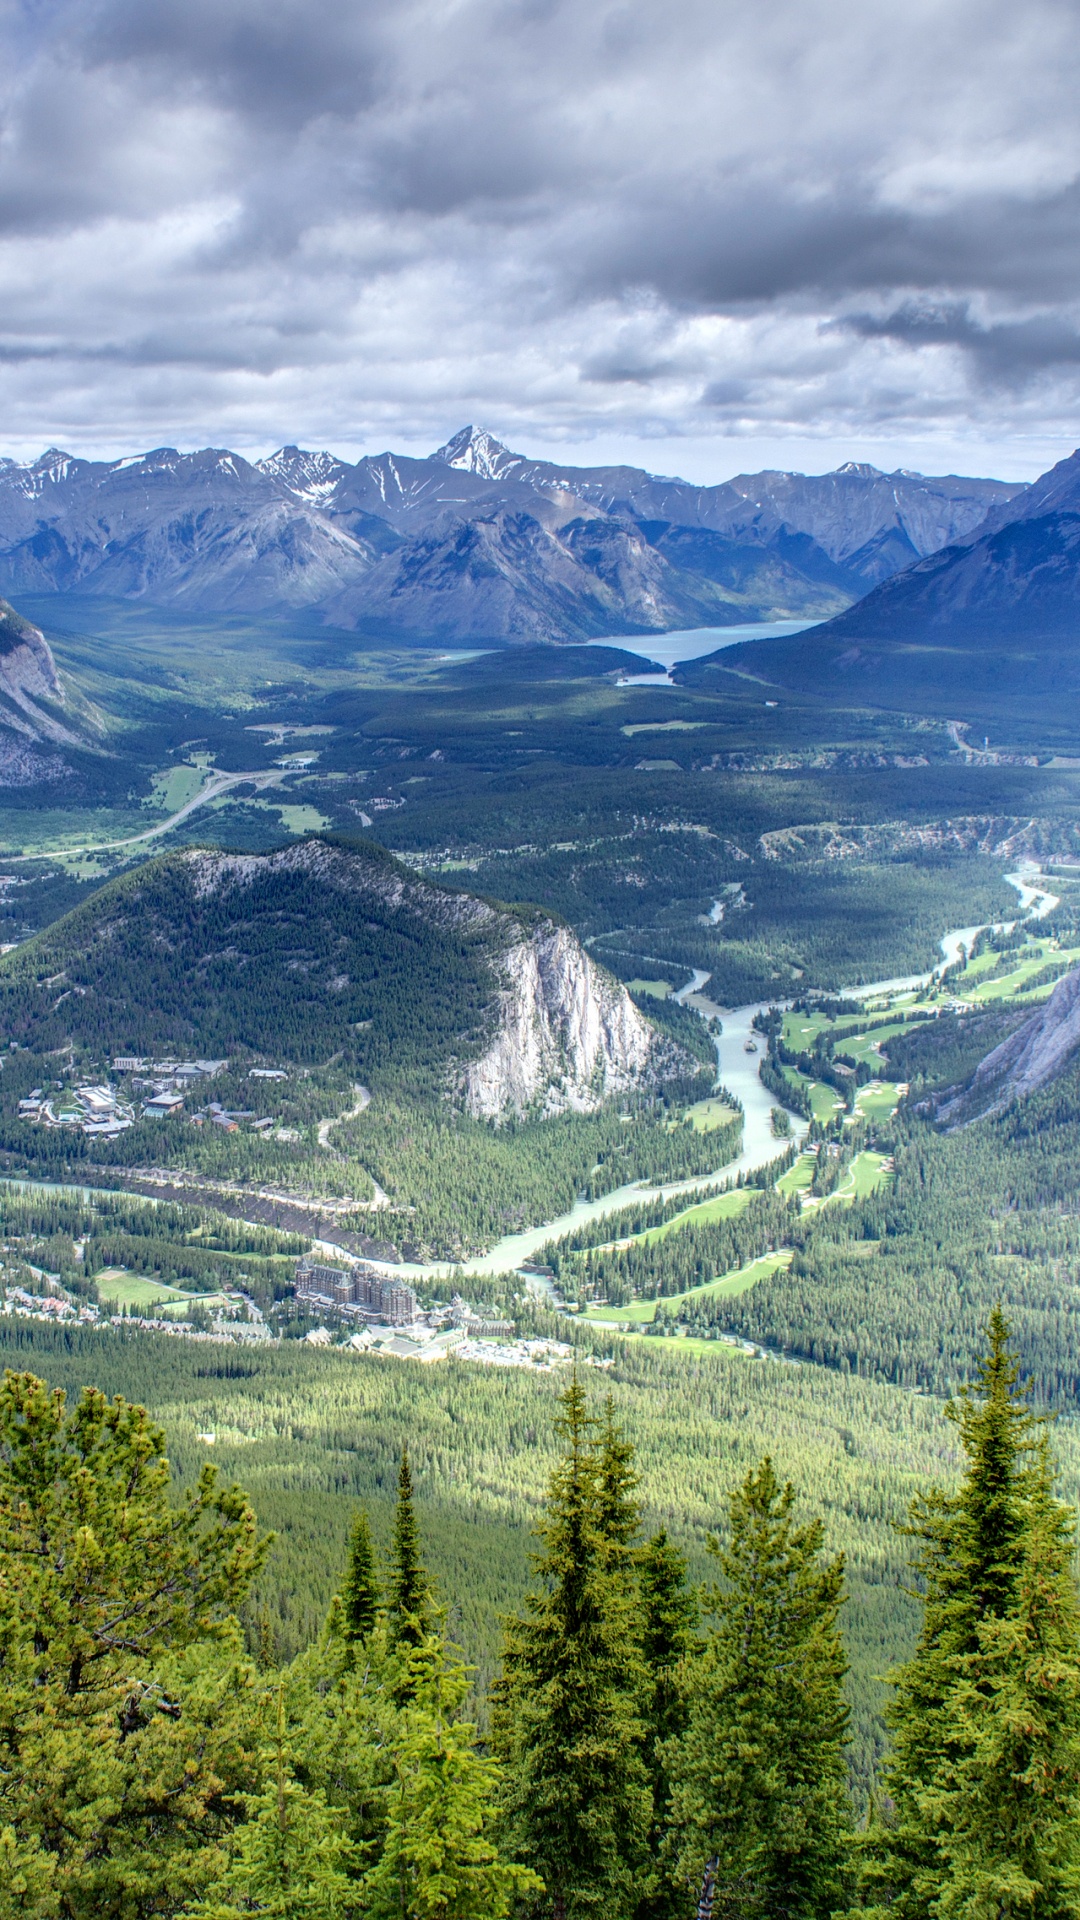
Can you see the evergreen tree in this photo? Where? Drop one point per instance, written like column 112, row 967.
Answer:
column 410, row 1590
column 360, row 1593
column 567, row 1720
column 124, row 1696
column 758, row 1779
column 439, row 1858
column 668, row 1616
column 984, row 1777
column 618, row 1515
column 289, row 1860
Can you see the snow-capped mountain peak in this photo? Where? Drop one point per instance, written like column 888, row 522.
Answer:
column 474, row 450
column 309, row 476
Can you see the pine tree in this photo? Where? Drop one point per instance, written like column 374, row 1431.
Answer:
column 439, row 1858
column 984, row 1777
column 360, row 1593
column 567, row 1721
column 668, row 1616
column 125, row 1702
column 1010, row 1817
column 410, row 1590
column 759, row 1776
column 289, row 1860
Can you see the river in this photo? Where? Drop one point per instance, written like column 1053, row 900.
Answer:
column 737, row 1071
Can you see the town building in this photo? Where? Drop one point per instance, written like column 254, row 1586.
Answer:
column 161, row 1104
column 478, row 1326
column 358, row 1290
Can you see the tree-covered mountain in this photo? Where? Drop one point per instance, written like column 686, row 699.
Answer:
column 323, row 951
column 474, row 540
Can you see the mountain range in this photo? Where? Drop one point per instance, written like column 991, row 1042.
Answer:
column 994, row 615
column 472, row 542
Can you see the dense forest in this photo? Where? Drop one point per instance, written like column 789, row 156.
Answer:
column 652, row 1739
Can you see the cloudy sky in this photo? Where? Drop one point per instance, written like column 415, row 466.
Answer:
column 700, row 235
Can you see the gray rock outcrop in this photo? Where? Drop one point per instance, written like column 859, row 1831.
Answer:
column 568, row 1035
column 1035, row 1054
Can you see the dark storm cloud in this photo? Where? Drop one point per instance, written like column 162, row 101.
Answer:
column 575, row 213
column 283, row 64
column 1011, row 351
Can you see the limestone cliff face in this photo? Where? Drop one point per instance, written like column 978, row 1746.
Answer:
column 568, row 1036
column 1036, row 1053
column 27, row 676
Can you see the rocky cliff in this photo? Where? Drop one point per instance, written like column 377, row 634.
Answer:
column 1036, row 1053
column 32, row 701
column 568, row 1035
column 565, row 1035
column 324, row 950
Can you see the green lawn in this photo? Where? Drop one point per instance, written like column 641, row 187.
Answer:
column 825, row 1102
column 656, row 989
column 722, row 1206
column 117, row 1288
column 726, row 1286
column 294, row 819
column 878, row 1100
column 707, row 1114
column 866, row 1173
column 798, row 1178
column 1010, row 984
column 176, row 786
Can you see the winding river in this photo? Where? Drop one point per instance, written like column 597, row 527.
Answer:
column 737, row 1071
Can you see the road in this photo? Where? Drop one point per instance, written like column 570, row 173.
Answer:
column 217, row 784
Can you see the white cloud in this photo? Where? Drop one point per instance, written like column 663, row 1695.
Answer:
column 823, row 224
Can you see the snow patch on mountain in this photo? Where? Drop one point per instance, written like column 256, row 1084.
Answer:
column 474, row 450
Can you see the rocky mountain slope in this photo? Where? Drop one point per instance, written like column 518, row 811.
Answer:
column 35, row 713
column 474, row 540
column 1031, row 1057
column 327, row 951
column 991, row 618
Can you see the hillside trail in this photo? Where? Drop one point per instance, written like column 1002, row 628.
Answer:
column 379, row 1197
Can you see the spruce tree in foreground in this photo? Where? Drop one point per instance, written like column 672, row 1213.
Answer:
column 360, row 1593
column 439, row 1858
column 578, row 1800
column 668, row 1617
column 759, row 1778
column 289, row 1859
column 410, row 1589
column 983, row 1815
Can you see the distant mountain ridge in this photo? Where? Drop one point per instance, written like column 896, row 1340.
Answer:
column 989, row 622
column 474, row 541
